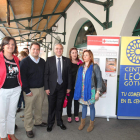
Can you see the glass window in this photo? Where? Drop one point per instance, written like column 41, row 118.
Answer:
column 86, row 29
column 138, row 25
column 136, row 31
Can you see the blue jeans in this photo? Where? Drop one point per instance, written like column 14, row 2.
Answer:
column 92, row 112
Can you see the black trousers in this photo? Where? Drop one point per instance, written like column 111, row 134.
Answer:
column 69, row 105
column 56, row 101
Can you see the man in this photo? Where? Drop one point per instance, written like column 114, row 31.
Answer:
column 26, row 50
column 32, row 75
column 57, row 81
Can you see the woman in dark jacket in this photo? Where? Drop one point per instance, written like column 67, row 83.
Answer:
column 75, row 62
column 10, row 87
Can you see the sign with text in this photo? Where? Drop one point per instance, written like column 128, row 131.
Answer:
column 106, row 51
column 129, row 82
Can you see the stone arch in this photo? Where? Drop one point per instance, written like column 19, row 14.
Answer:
column 74, row 32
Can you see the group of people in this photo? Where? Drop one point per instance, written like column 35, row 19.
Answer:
column 58, row 76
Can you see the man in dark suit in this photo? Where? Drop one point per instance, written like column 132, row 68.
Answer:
column 57, row 83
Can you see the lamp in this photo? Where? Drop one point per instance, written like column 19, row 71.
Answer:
column 85, row 28
column 54, row 27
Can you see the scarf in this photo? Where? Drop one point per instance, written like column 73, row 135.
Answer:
column 87, row 84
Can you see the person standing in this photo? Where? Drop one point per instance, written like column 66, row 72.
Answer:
column 26, row 50
column 10, row 87
column 21, row 56
column 32, row 75
column 75, row 62
column 57, row 81
column 85, row 89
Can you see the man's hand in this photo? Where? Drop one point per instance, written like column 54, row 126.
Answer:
column 68, row 90
column 47, row 92
column 30, row 94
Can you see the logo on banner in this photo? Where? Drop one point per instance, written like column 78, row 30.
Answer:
column 110, row 41
column 133, row 51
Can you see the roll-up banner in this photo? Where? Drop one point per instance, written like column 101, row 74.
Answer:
column 106, row 51
column 129, row 83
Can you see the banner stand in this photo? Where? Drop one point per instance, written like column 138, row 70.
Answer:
column 129, row 82
column 106, row 51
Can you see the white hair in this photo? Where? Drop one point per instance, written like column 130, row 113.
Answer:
column 58, row 44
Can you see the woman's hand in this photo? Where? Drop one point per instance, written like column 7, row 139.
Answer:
column 68, row 90
column 97, row 95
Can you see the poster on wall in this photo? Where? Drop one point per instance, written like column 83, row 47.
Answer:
column 129, row 82
column 106, row 51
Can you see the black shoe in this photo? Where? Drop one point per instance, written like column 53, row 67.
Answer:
column 30, row 134
column 49, row 128
column 42, row 124
column 62, row 126
column 19, row 109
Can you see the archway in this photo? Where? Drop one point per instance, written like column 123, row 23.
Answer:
column 86, row 29
column 74, row 32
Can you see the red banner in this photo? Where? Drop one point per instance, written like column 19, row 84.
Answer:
column 103, row 41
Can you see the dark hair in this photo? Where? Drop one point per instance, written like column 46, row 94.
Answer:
column 26, row 49
column 34, row 43
column 5, row 41
column 70, row 53
column 23, row 53
column 91, row 56
column 16, row 51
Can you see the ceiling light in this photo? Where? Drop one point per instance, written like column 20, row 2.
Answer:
column 86, row 28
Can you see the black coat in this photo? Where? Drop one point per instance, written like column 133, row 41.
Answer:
column 50, row 76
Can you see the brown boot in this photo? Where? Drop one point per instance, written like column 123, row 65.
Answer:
column 82, row 124
column 91, row 126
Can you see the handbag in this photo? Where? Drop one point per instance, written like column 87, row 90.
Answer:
column 103, row 88
column 65, row 102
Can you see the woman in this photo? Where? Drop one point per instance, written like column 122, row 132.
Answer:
column 85, row 91
column 21, row 56
column 10, row 87
column 75, row 62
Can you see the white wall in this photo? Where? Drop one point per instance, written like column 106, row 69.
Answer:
column 123, row 14
column 131, row 19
